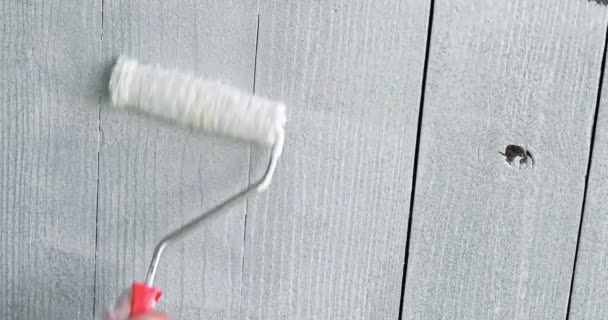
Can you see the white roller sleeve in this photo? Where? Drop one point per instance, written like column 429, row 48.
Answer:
column 196, row 102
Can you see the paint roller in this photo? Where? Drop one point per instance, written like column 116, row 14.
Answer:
column 199, row 103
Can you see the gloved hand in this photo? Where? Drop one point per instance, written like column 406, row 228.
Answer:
column 154, row 315
column 122, row 308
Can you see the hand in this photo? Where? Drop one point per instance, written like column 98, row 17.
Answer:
column 154, row 315
column 122, row 308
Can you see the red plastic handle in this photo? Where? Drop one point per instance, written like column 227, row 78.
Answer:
column 143, row 299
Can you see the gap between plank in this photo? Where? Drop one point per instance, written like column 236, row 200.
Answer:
column 98, row 157
column 416, row 152
column 598, row 100
column 255, row 66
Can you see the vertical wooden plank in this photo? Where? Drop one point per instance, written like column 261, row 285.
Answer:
column 49, row 99
column 327, row 240
column 155, row 176
column 490, row 240
column 589, row 290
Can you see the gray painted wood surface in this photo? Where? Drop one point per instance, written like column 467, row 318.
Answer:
column 327, row 240
column 491, row 241
column 49, row 99
column 86, row 191
column 590, row 287
column 154, row 176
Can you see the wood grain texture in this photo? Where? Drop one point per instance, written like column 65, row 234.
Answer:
column 589, row 290
column 491, row 241
column 327, row 240
column 49, row 99
column 155, row 176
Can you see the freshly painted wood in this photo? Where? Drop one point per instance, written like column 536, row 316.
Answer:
column 49, row 102
column 327, row 240
column 155, row 176
column 489, row 240
column 591, row 276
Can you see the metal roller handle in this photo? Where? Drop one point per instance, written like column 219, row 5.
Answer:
column 193, row 224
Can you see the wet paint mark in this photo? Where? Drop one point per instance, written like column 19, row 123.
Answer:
column 514, row 151
column 602, row 2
